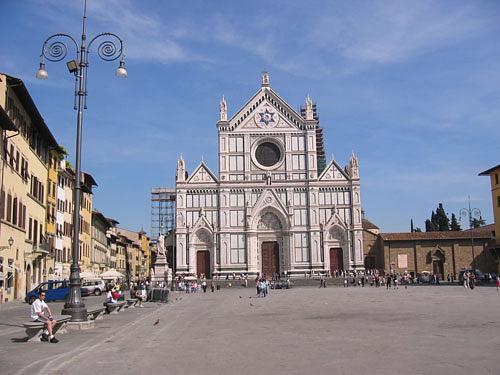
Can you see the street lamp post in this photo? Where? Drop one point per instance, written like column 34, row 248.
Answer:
column 471, row 214
column 110, row 48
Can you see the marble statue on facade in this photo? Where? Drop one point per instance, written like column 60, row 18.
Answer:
column 309, row 109
column 223, row 109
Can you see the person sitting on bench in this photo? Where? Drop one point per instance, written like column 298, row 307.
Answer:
column 38, row 309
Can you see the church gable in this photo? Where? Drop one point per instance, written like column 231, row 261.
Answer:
column 266, row 116
column 202, row 175
column 264, row 111
column 269, row 200
column 333, row 172
column 336, row 221
column 202, row 223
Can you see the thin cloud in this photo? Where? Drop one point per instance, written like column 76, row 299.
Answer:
column 390, row 32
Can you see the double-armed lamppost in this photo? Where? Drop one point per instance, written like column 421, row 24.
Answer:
column 471, row 214
column 110, row 48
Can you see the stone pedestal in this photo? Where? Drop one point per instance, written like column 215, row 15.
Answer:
column 161, row 271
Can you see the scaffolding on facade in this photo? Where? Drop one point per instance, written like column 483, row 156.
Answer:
column 162, row 211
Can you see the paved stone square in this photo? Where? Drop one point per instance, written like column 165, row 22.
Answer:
column 421, row 330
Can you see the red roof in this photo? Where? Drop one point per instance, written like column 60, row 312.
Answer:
column 481, row 232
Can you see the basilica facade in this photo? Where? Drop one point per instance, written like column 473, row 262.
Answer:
column 275, row 205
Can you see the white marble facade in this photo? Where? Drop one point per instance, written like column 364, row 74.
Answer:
column 268, row 210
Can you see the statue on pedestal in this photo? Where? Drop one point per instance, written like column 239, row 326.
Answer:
column 160, row 246
column 160, row 269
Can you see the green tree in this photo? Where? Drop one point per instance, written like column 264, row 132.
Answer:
column 476, row 223
column 439, row 220
column 442, row 221
column 429, row 226
column 455, row 225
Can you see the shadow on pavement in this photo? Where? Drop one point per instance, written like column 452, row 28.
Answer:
column 24, row 339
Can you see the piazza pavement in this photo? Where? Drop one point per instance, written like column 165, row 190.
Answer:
column 304, row 330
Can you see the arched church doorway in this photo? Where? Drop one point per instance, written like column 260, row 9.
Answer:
column 336, row 259
column 270, row 258
column 203, row 263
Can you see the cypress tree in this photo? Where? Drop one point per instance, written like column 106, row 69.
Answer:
column 442, row 221
column 455, row 225
column 429, row 226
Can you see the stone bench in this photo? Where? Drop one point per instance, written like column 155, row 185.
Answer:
column 34, row 330
column 115, row 308
column 96, row 313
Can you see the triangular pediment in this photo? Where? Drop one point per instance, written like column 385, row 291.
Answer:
column 202, row 175
column 202, row 230
column 202, row 222
column 266, row 116
column 333, row 172
column 266, row 110
column 269, row 201
column 335, row 220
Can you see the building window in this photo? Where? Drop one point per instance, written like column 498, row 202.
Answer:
column 237, row 248
column 498, row 201
column 11, row 155
column 235, row 144
column 496, row 178
column 300, row 217
column 1, row 272
column 301, row 247
column 237, row 218
column 299, row 199
column 14, row 211
column 17, row 161
column 2, row 204
column 298, row 162
column 9, row 207
column 298, row 143
column 236, row 199
column 10, row 275
column 236, row 163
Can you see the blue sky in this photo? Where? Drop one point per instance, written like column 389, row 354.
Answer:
column 412, row 87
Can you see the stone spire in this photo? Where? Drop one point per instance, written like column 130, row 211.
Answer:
column 309, row 109
column 223, row 109
column 353, row 167
column 265, row 79
column 181, row 170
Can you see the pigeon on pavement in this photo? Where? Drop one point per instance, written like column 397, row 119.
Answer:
column 157, row 322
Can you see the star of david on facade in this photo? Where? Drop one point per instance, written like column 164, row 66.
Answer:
column 266, row 117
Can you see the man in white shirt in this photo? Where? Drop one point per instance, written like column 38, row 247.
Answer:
column 38, row 310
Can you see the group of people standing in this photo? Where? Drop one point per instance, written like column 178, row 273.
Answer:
column 262, row 285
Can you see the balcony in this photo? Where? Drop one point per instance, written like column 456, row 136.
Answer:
column 41, row 249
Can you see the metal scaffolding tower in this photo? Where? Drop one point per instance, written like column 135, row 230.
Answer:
column 162, row 211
